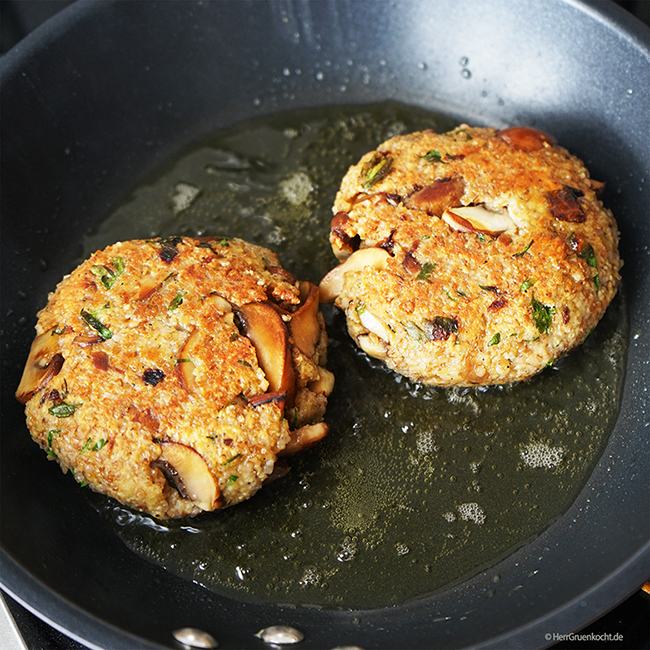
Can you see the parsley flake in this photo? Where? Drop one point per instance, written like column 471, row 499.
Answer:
column 177, row 300
column 495, row 339
column 521, row 253
column 425, row 272
column 63, row 410
column 433, row 156
column 542, row 315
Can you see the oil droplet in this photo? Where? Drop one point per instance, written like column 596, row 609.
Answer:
column 465, row 73
column 463, row 61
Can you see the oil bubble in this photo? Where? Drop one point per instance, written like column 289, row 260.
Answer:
column 347, row 550
column 402, row 549
column 471, row 512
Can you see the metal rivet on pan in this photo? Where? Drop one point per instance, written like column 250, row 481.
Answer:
column 280, row 635
column 192, row 637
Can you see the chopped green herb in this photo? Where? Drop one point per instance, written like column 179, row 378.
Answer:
column 495, row 339
column 360, row 308
column 224, row 242
column 230, row 460
column 481, row 237
column 233, row 478
column 379, row 167
column 433, row 156
column 526, row 284
column 89, row 446
column 426, row 271
column 244, row 363
column 589, row 256
column 462, row 294
column 118, row 263
column 59, row 330
column 81, row 481
column 542, row 315
column 96, row 324
column 437, row 329
column 415, row 332
column 107, row 276
column 63, row 410
column 177, row 301
column 182, row 361
column 447, row 324
column 489, row 287
column 50, row 434
column 205, row 244
column 520, row 253
column 451, row 297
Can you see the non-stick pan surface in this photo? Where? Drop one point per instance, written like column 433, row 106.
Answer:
column 106, row 91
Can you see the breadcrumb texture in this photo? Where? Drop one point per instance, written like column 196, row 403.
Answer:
column 469, row 303
column 163, row 358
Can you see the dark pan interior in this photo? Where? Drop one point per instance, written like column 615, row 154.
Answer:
column 106, row 91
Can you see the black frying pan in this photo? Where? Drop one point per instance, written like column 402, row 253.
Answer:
column 106, row 91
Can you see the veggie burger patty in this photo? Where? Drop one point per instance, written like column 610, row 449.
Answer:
column 172, row 374
column 472, row 257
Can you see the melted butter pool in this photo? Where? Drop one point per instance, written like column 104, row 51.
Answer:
column 416, row 487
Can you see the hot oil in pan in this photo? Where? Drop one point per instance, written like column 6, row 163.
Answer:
column 415, row 487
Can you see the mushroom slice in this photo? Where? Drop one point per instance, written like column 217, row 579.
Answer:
column 373, row 324
column 433, row 199
column 267, row 398
column 332, row 284
column 526, row 138
column 149, row 284
column 304, row 325
column 186, row 470
column 324, row 384
column 342, row 244
column 373, row 348
column 185, row 365
column 264, row 328
column 304, row 438
column 477, row 218
column 43, row 363
column 220, row 303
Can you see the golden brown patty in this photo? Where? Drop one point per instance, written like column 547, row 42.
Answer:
column 472, row 257
column 171, row 374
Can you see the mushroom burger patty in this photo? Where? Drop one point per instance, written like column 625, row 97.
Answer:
column 472, row 257
column 171, row 374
